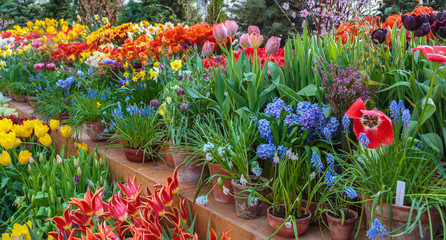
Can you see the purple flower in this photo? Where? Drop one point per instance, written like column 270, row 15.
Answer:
column 304, row 13
column 184, row 107
column 266, row 151
column 264, row 128
column 331, row 129
column 363, row 139
column 154, row 103
column 316, row 162
column 281, row 151
column 286, row 6
column 180, row 91
column 107, row 61
column 346, row 123
column 406, row 118
column 293, row 15
column 350, row 192
column 376, row 229
column 275, row 108
column 75, row 180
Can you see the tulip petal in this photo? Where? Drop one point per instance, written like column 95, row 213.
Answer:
column 355, row 110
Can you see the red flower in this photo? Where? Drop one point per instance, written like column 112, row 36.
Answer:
column 374, row 124
column 433, row 54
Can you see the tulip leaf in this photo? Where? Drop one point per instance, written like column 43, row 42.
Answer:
column 309, row 91
column 287, row 92
column 4, row 182
column 434, row 141
column 429, row 110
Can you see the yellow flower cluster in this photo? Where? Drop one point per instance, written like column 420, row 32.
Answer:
column 142, row 75
column 18, row 232
column 53, row 27
column 109, row 33
column 5, row 52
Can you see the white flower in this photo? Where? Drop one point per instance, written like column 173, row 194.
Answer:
column 257, row 171
column 209, row 157
column 207, row 147
column 254, row 202
column 290, row 155
column 288, row 224
column 225, row 190
column 229, row 164
column 221, row 151
column 312, row 175
column 276, row 158
column 203, row 200
column 168, row 25
column 243, row 180
column 168, row 100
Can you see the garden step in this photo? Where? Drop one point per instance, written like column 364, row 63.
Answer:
column 221, row 216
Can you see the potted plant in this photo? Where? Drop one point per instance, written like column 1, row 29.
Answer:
column 139, row 130
column 387, row 154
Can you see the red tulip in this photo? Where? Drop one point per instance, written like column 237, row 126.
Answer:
column 232, row 27
column 132, row 190
column 374, row 124
column 65, row 222
column 118, row 208
column 433, row 54
column 272, row 46
column 220, row 32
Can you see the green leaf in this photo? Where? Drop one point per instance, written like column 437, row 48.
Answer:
column 434, row 141
column 309, row 90
column 4, row 182
column 430, row 109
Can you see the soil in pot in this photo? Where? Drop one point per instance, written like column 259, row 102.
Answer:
column 244, row 209
column 277, row 218
column 219, row 194
column 400, row 216
column 339, row 230
column 95, row 130
column 188, row 172
column 137, row 155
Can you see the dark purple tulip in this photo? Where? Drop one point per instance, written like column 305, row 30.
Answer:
column 65, row 101
column 441, row 15
column 413, row 22
column 180, row 77
column 186, row 44
column 180, row 91
column 190, row 78
column 379, row 36
column 430, row 18
column 75, row 180
column 439, row 29
column 424, row 30
column 184, row 107
column 154, row 103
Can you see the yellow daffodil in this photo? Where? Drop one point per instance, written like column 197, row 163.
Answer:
column 156, row 64
column 175, row 65
column 98, row 103
column 46, row 140
column 40, row 130
column 162, row 109
column 54, row 124
column 5, row 158
column 78, row 18
column 126, row 74
column 18, row 232
column 65, row 131
column 134, row 78
column 24, row 157
column 96, row 17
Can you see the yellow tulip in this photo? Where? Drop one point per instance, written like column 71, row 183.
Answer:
column 5, row 159
column 5, row 125
column 54, row 124
column 82, row 146
column 40, row 130
column 24, row 157
column 17, row 142
column 65, row 131
column 45, row 140
column 29, row 124
column 8, row 140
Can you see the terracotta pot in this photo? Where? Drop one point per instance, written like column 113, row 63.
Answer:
column 20, row 98
column 315, row 218
column 242, row 206
column 339, row 231
column 167, row 155
column 188, row 172
column 399, row 216
column 137, row 155
column 10, row 93
column 218, row 193
column 302, row 224
column 63, row 116
column 96, row 129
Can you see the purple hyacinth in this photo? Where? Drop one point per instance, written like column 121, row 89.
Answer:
column 346, row 123
column 331, row 129
column 264, row 128
column 377, row 229
column 363, row 139
column 316, row 162
column 275, row 108
column 266, row 151
column 350, row 192
column 281, row 150
column 405, row 117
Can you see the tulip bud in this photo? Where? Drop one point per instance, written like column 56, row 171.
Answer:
column 244, row 42
column 208, row 48
column 413, row 22
column 168, row 100
column 49, row 213
column 379, row 36
column 75, row 180
column 79, row 171
column 272, row 46
column 231, row 27
column 68, row 185
column 58, row 159
column 424, row 30
column 76, row 162
column 40, row 157
column 33, row 198
column 29, row 168
column 43, row 188
column 255, row 40
column 220, row 32
column 253, row 29
column 31, row 160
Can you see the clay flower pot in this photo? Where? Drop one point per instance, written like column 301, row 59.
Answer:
column 63, row 116
column 187, row 172
column 167, row 155
column 219, row 194
column 400, row 216
column 31, row 101
column 315, row 220
column 95, row 130
column 339, row 230
column 242, row 206
column 20, row 98
column 287, row 231
column 137, row 155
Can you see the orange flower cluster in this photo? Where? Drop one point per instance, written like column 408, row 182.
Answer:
column 132, row 214
column 70, row 51
column 170, row 41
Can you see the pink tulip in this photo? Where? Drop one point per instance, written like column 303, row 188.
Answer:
column 208, row 48
column 37, row 43
column 253, row 29
column 232, row 27
column 50, row 66
column 255, row 40
column 244, row 40
column 220, row 32
column 272, row 46
column 39, row 66
column 433, row 54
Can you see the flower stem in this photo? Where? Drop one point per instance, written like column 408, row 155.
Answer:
column 427, row 98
